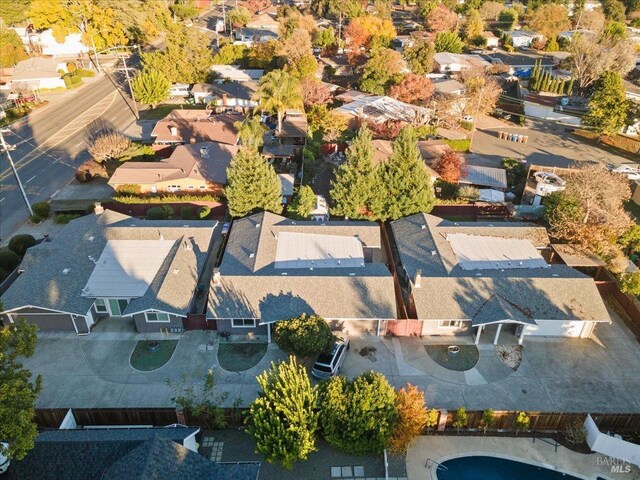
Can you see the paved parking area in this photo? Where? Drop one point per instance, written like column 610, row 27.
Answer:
column 549, row 144
column 597, row 375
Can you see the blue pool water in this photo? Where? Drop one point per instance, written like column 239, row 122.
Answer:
column 493, row 468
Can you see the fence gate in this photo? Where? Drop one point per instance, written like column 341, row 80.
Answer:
column 198, row 321
column 404, row 328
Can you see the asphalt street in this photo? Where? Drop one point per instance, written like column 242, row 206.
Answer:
column 51, row 144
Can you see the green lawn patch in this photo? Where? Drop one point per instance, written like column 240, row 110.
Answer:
column 631, row 207
column 465, row 359
column 238, row 357
column 145, row 359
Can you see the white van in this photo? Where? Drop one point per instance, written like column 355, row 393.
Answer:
column 179, row 90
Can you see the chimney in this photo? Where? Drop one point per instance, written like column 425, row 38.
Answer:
column 204, row 151
column 192, row 140
column 216, row 277
column 417, row 280
column 98, row 209
column 174, row 130
column 46, row 237
column 225, row 100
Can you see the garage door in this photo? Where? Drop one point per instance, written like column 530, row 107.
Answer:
column 52, row 322
column 555, row 328
column 356, row 328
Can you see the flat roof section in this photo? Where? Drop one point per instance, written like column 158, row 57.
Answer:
column 126, row 268
column 304, row 250
column 476, row 252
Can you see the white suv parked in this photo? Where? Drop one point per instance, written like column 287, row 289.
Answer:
column 328, row 365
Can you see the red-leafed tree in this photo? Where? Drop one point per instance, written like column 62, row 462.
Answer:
column 413, row 88
column 441, row 19
column 356, row 36
column 450, row 166
column 314, row 92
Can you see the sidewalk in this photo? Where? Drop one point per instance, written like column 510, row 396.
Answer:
column 46, row 227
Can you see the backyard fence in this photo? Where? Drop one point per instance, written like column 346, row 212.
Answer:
column 160, row 417
column 140, row 209
column 630, row 305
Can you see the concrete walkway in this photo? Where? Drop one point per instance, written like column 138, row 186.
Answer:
column 441, row 448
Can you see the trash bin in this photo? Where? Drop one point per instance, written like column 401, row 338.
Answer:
column 526, row 138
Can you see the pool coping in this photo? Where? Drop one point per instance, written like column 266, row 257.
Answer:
column 444, row 458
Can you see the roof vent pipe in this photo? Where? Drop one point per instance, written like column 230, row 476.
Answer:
column 417, row 280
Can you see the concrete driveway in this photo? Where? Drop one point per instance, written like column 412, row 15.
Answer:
column 573, row 375
column 549, row 144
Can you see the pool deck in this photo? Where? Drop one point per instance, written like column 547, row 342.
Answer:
column 439, row 449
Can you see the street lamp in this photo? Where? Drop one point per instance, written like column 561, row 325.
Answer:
column 13, row 167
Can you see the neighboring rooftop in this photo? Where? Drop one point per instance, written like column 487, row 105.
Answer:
column 485, row 176
column 379, row 109
column 56, row 272
column 304, row 250
column 294, row 125
column 448, row 291
column 185, row 126
column 34, row 68
column 242, row 90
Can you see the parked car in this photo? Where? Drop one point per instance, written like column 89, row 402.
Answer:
column 179, row 90
column 547, row 182
column 225, row 228
column 4, row 461
column 631, row 171
column 328, row 364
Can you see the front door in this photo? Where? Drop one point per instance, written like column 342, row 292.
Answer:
column 117, row 306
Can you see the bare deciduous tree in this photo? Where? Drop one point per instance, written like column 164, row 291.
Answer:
column 591, row 57
column 108, row 146
column 482, row 91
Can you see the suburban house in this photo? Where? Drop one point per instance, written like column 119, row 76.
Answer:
column 548, row 107
column 520, row 64
column 264, row 21
column 234, row 73
column 137, row 453
column 448, row 86
column 45, row 43
column 194, row 167
column 380, row 109
column 467, row 277
column 37, row 73
column 226, row 97
column 480, row 176
column 294, row 130
column 492, row 40
column 192, row 126
column 521, row 38
column 274, row 268
column 249, row 36
column 338, row 64
column 446, row 62
column 111, row 265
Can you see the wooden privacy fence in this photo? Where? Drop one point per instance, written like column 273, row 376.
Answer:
column 607, row 285
column 160, row 417
column 547, row 421
column 140, row 209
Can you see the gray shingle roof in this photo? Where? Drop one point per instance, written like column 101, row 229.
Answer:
column 250, row 286
column 122, row 454
column 448, row 292
column 44, row 283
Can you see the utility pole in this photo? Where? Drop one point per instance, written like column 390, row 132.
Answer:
column 126, row 72
column 475, row 118
column 13, row 167
column 95, row 54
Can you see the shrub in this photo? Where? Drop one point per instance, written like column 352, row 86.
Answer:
column 448, row 191
column 159, row 213
column 186, row 213
column 83, row 72
column 304, row 336
column 203, row 212
column 129, row 189
column 3, row 275
column 9, row 260
column 460, row 419
column 467, row 192
column 20, row 243
column 89, row 170
column 165, row 198
column 459, row 145
column 488, row 417
column 413, row 416
column 575, row 433
column 71, row 67
column 466, row 125
column 65, row 218
column 522, row 422
column 76, row 80
column 36, row 219
column 41, row 209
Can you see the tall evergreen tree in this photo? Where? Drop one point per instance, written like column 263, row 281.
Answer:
column 303, row 203
column 284, row 418
column 608, row 106
column 405, row 182
column 150, row 87
column 354, row 193
column 252, row 184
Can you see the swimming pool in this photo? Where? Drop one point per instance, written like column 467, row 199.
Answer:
column 481, row 467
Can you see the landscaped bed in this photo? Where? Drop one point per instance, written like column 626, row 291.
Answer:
column 238, row 357
column 465, row 358
column 151, row 355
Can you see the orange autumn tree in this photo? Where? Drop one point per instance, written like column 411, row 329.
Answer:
column 449, row 166
column 413, row 417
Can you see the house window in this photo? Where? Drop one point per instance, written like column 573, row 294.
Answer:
column 450, row 323
column 202, row 187
column 101, row 306
column 190, row 187
column 156, row 317
column 243, row 322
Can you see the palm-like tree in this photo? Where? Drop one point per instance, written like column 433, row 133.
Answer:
column 251, row 132
column 278, row 91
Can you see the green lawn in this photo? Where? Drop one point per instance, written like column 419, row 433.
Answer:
column 238, row 357
column 145, row 360
column 163, row 110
